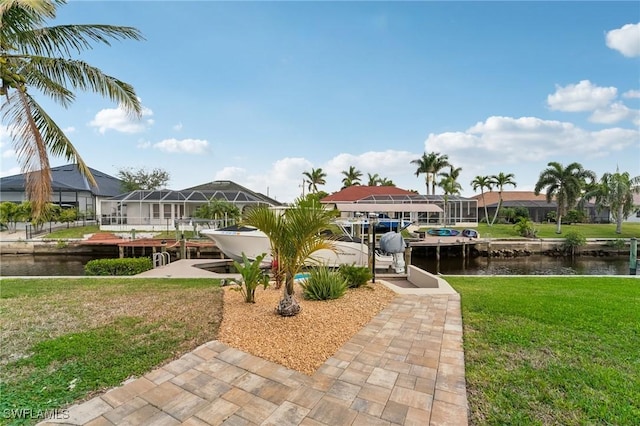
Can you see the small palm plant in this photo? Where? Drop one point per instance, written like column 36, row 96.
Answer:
column 252, row 277
column 295, row 235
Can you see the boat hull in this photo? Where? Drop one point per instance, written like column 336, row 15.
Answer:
column 233, row 243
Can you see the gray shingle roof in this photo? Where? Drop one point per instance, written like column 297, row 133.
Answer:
column 69, row 178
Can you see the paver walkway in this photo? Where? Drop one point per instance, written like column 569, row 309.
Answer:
column 406, row 367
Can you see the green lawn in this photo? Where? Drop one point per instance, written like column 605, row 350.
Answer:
column 538, row 350
column 547, row 350
column 64, row 339
column 548, row 230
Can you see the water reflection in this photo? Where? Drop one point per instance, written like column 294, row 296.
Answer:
column 51, row 265
column 43, row 265
column 529, row 265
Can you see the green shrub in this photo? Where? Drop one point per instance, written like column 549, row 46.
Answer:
column 356, row 276
column 128, row 266
column 573, row 240
column 323, row 284
column 252, row 277
column 618, row 244
column 525, row 228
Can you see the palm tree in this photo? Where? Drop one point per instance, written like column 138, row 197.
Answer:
column 429, row 165
column 450, row 187
column 351, row 177
column 500, row 181
column 314, row 178
column 373, row 179
column 453, row 173
column 482, row 182
column 386, row 182
column 294, row 235
column 615, row 192
column 565, row 185
column 33, row 58
column 218, row 209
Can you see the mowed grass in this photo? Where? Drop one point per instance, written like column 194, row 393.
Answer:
column 65, row 339
column 547, row 350
column 548, row 230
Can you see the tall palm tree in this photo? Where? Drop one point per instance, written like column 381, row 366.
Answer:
column 482, row 182
column 565, row 184
column 615, row 192
column 294, row 235
column 386, row 182
column 500, row 181
column 450, row 187
column 36, row 58
column 429, row 165
column 373, row 179
column 351, row 177
column 314, row 178
column 453, row 173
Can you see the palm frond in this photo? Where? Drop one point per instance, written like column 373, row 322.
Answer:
column 66, row 40
column 83, row 76
column 30, row 147
column 54, row 89
column 35, row 134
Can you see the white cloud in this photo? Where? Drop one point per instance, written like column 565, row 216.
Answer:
column 631, row 94
column 9, row 153
column 10, row 172
column 507, row 140
column 117, row 119
column 614, row 113
column 231, row 173
column 69, row 129
column 142, row 144
column 187, row 146
column 387, row 164
column 583, row 96
column 177, row 127
column 625, row 40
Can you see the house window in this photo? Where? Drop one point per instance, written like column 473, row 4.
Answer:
column 167, row 211
column 155, row 211
column 638, row 213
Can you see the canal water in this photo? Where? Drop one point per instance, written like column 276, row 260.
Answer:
column 527, row 265
column 51, row 265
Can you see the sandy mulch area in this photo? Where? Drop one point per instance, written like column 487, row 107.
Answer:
column 303, row 342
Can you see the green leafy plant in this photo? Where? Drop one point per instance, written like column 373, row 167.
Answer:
column 525, row 228
column 617, row 244
column 572, row 241
column 129, row 266
column 356, row 276
column 324, row 284
column 252, row 277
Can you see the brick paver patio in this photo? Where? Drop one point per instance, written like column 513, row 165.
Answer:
column 406, row 367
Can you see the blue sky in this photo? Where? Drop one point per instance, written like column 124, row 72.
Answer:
column 259, row 92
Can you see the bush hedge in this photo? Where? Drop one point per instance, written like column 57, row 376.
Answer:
column 356, row 276
column 128, row 266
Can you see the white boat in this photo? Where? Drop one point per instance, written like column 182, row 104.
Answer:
column 234, row 240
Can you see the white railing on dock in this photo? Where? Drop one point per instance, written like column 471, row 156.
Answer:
column 161, row 259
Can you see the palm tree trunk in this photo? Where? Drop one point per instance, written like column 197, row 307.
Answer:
column 288, row 306
column 486, row 212
column 495, row 216
column 559, row 224
column 619, row 219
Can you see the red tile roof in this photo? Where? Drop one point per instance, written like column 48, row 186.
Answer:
column 358, row 192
